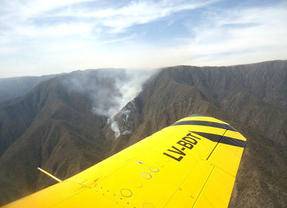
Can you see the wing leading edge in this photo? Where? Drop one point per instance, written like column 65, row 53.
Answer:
column 192, row 163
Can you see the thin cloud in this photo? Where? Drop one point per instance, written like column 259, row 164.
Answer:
column 114, row 20
column 79, row 34
column 51, row 19
column 238, row 32
column 143, row 12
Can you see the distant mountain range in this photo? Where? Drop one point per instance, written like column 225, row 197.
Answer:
column 66, row 123
column 15, row 87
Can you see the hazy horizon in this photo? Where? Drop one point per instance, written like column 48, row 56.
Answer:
column 52, row 37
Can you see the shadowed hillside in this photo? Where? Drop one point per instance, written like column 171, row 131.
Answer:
column 50, row 128
column 58, row 126
column 66, row 124
column 250, row 97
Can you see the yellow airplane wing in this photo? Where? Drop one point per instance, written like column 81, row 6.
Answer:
column 192, row 163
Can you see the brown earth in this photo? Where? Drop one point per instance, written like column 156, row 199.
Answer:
column 54, row 128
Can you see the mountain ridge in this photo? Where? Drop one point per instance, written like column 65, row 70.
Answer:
column 252, row 98
column 260, row 118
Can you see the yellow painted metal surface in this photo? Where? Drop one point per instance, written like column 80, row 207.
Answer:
column 192, row 163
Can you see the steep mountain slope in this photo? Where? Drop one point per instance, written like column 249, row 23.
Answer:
column 15, row 87
column 59, row 126
column 63, row 124
column 251, row 97
column 51, row 128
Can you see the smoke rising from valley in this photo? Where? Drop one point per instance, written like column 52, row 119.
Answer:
column 109, row 90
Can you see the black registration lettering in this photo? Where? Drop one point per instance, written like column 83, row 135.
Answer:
column 186, row 142
column 178, row 151
column 190, row 135
column 176, row 158
column 190, row 140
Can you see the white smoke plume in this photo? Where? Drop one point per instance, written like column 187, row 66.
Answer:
column 115, row 127
column 109, row 90
column 127, row 88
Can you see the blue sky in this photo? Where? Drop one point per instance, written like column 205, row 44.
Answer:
column 53, row 36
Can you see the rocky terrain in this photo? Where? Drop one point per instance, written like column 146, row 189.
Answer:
column 72, row 121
